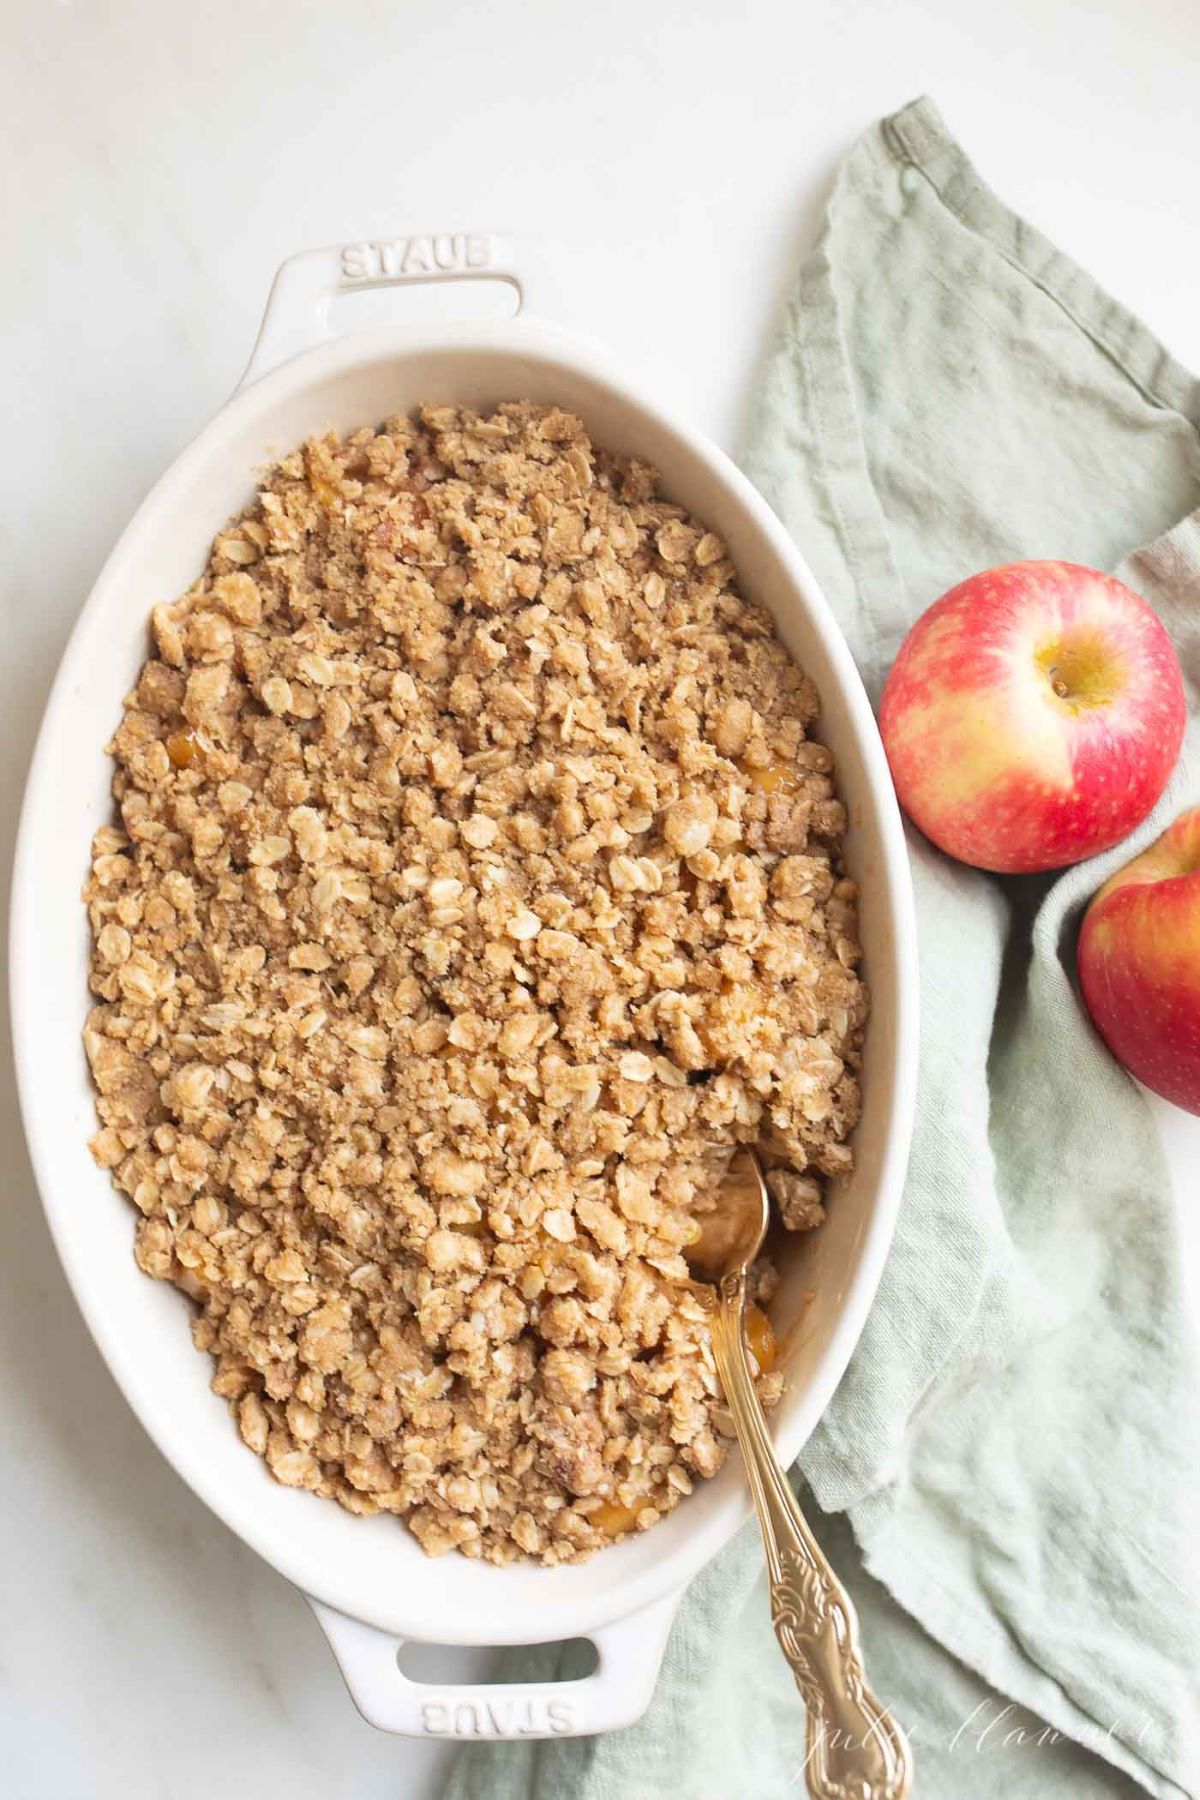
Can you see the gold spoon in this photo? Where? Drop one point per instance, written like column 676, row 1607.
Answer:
column 855, row 1749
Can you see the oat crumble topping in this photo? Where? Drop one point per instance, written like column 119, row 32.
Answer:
column 476, row 881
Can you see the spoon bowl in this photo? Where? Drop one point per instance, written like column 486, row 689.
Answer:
column 732, row 1234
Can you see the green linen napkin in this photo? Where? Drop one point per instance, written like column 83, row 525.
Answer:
column 1008, row 1468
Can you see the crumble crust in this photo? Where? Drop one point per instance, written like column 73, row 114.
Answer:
column 476, row 885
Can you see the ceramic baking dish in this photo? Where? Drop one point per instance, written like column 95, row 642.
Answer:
column 370, row 1585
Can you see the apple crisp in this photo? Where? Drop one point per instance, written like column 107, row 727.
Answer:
column 476, row 882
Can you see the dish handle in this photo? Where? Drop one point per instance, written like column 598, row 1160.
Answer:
column 300, row 305
column 616, row 1693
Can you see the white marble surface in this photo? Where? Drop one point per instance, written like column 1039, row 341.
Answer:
column 160, row 159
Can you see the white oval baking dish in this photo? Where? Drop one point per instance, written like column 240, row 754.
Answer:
column 369, row 1583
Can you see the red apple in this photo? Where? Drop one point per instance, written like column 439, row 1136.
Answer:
column 1033, row 716
column 1139, row 963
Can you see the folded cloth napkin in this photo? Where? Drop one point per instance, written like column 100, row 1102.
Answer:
column 1008, row 1473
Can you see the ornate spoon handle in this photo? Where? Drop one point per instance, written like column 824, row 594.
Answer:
column 855, row 1749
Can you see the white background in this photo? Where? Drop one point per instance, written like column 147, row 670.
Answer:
column 160, row 158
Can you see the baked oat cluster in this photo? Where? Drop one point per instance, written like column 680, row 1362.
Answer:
column 476, row 885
